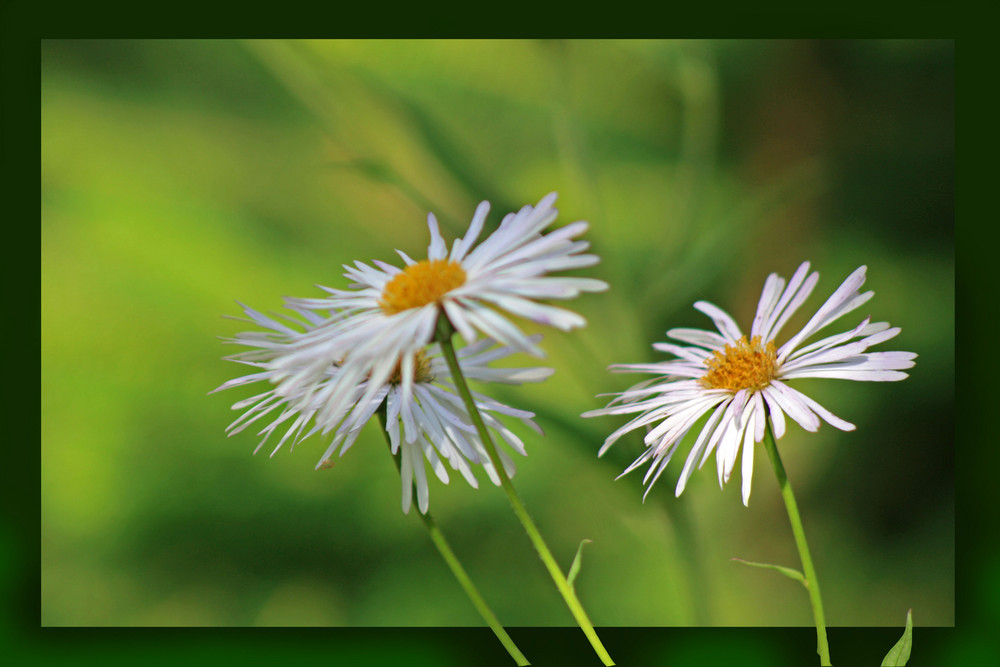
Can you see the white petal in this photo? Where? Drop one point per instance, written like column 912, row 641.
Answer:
column 747, row 465
column 792, row 403
column 329, row 450
column 406, row 477
column 392, row 405
column 727, row 326
column 798, row 290
column 768, row 300
column 437, row 248
column 406, row 258
column 759, row 415
column 537, row 312
column 432, row 457
column 691, row 354
column 841, row 352
column 706, row 339
column 659, row 467
column 643, row 458
column 717, row 434
column 456, row 316
column 698, row 448
column 349, row 440
column 728, row 448
column 844, row 299
column 462, row 246
column 775, row 413
column 828, row 416
column 499, row 328
column 846, row 372
column 863, row 328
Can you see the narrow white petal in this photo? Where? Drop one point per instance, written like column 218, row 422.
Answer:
column 717, row 434
column 740, row 401
column 726, row 324
column 865, row 327
column 747, row 465
column 698, row 449
column 759, row 416
column 330, row 450
column 539, row 247
column 827, row 416
column 775, row 413
column 462, row 246
column 437, row 248
column 537, row 312
column 432, row 457
column 388, row 268
column 768, row 300
column 790, row 401
column 643, row 458
column 456, row 316
column 660, row 467
column 862, row 374
column 392, row 405
column 842, row 352
column 706, row 339
column 406, row 478
column 691, row 354
column 349, row 440
column 728, row 448
column 798, row 290
column 844, row 299
column 499, row 328
column 420, row 475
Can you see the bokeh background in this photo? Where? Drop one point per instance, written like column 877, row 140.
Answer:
column 180, row 176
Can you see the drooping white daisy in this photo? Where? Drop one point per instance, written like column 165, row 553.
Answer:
column 435, row 424
column 740, row 382
column 390, row 313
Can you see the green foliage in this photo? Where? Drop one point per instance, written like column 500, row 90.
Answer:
column 574, row 569
column 787, row 571
column 900, row 652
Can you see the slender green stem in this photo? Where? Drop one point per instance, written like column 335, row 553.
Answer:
column 811, row 583
column 437, row 537
column 444, row 336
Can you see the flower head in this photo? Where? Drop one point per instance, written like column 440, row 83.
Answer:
column 425, row 420
column 739, row 382
column 390, row 313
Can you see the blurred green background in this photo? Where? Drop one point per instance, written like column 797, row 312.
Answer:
column 179, row 176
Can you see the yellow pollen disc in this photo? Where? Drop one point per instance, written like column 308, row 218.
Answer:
column 420, row 284
column 741, row 366
column 421, row 369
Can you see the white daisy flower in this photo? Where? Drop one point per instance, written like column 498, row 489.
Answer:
column 739, row 383
column 391, row 313
column 435, row 424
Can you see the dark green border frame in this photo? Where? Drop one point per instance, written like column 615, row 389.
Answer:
column 977, row 587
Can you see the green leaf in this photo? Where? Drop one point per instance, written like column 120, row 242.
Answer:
column 574, row 569
column 900, row 653
column 787, row 571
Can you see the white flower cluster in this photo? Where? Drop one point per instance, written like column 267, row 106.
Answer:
column 347, row 355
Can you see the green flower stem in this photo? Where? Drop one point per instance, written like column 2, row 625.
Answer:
column 437, row 537
column 444, row 337
column 811, row 583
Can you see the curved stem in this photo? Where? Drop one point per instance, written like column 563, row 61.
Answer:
column 444, row 337
column 437, row 537
column 811, row 583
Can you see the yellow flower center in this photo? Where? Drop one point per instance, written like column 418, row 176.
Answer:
column 741, row 366
column 420, row 284
column 421, row 369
